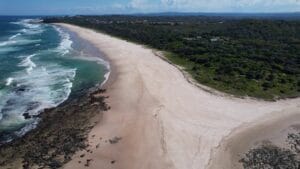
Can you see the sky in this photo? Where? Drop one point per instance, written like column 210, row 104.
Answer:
column 72, row 7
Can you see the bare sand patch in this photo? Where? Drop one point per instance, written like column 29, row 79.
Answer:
column 163, row 120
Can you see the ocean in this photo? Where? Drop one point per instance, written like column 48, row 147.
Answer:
column 41, row 66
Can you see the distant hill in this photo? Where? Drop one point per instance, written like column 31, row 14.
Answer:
column 288, row 16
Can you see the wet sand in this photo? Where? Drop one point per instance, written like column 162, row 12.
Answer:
column 272, row 129
column 158, row 120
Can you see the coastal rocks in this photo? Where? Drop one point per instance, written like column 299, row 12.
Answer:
column 27, row 116
column 55, row 164
column 21, row 89
column 32, row 105
column 271, row 156
column 62, row 131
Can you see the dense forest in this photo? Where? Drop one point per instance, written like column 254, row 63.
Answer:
column 247, row 57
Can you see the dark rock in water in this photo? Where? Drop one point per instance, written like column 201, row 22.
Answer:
column 61, row 132
column 5, row 135
column 5, row 109
column 10, row 102
column 21, row 89
column 50, row 109
column 32, row 106
column 27, row 116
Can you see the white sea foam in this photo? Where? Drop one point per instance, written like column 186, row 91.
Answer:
column 14, row 36
column 107, row 74
column 66, row 43
column 99, row 61
column 32, row 31
column 24, row 30
column 29, row 23
column 29, row 126
column 28, row 63
column 44, row 87
column 6, row 43
column 13, row 41
column 4, row 50
column 27, row 41
column 106, row 77
column 32, row 26
column 9, row 81
column 1, row 105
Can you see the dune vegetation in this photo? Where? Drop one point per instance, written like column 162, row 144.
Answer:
column 245, row 57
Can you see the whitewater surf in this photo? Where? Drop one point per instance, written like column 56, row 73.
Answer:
column 41, row 67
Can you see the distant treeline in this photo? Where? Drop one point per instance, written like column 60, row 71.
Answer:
column 254, row 57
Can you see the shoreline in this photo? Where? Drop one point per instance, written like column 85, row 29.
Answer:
column 19, row 153
column 140, row 127
column 154, row 130
column 92, row 56
column 270, row 130
column 61, row 132
column 99, row 56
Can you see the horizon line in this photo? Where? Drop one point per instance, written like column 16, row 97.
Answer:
column 153, row 13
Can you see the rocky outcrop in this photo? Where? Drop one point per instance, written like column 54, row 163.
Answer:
column 61, row 132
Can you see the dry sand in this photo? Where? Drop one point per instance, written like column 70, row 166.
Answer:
column 165, row 121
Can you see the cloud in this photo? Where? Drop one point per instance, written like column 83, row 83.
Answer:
column 147, row 6
column 142, row 4
column 217, row 5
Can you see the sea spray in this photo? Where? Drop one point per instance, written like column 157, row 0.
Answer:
column 9, row 81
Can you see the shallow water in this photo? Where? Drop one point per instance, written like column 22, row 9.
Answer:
column 41, row 67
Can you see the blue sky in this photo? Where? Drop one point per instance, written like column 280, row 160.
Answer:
column 52, row 7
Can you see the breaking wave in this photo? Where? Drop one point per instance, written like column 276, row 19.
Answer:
column 9, row 81
column 30, row 93
column 40, row 75
column 66, row 43
column 31, row 26
column 28, row 63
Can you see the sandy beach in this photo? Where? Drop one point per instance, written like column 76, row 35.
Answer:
column 158, row 120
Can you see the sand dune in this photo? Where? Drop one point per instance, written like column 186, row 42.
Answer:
column 163, row 120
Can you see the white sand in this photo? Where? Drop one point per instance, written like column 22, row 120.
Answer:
column 164, row 121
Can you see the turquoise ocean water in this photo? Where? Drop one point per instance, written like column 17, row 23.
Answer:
column 41, row 66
